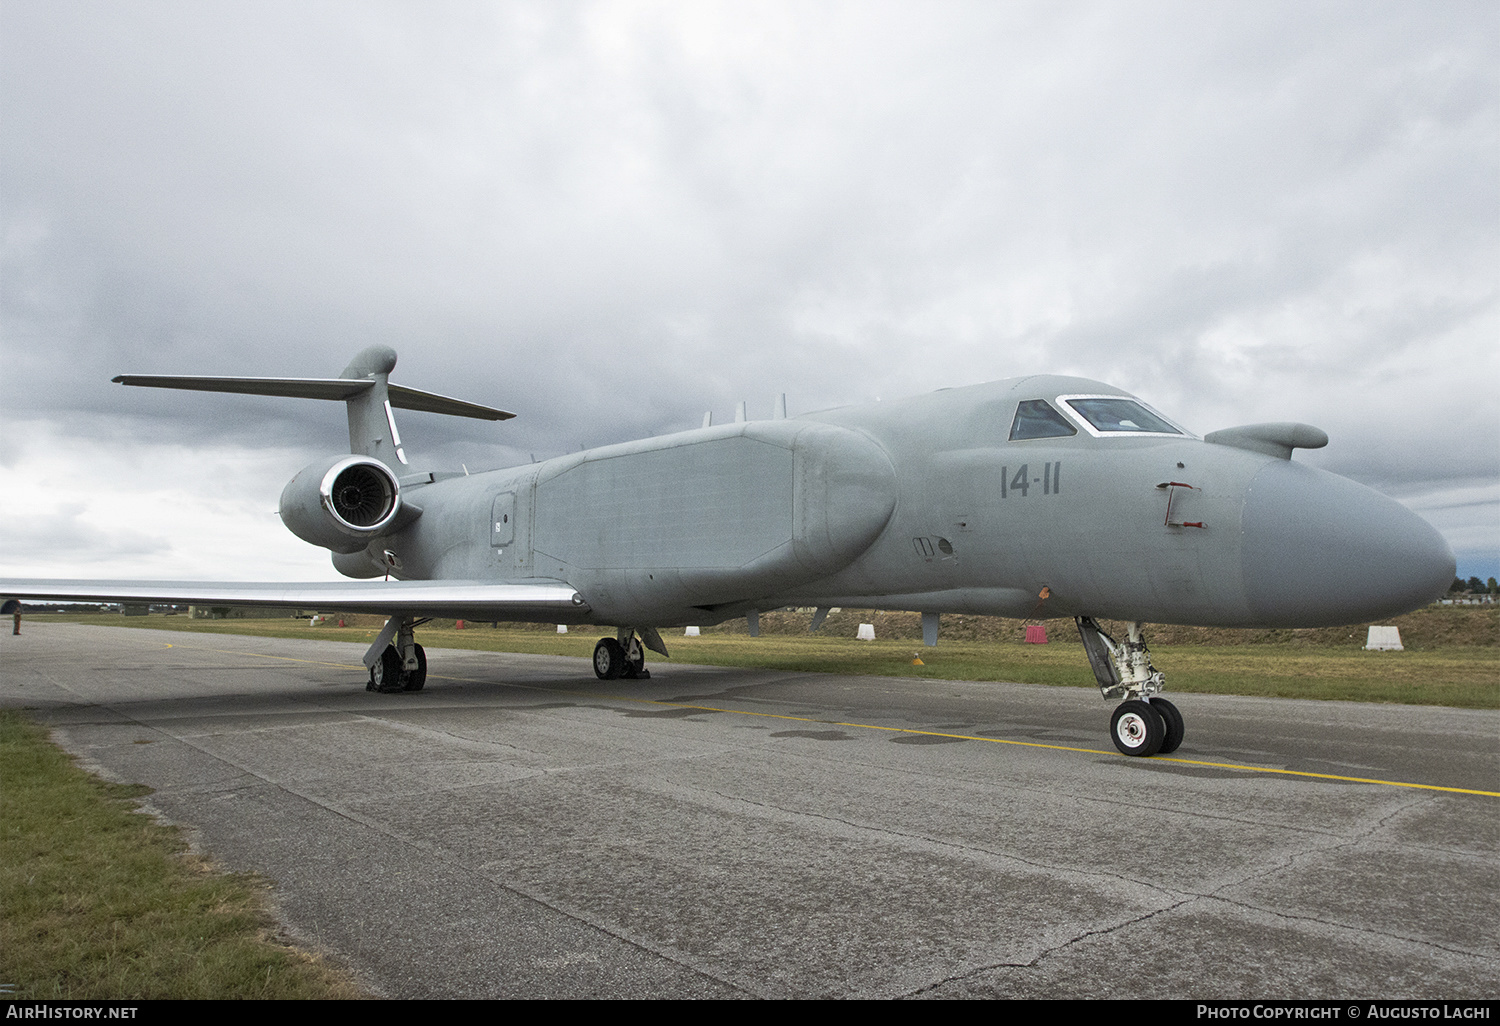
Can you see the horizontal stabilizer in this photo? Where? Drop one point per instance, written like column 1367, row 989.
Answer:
column 296, row 388
column 401, row 397
column 536, row 600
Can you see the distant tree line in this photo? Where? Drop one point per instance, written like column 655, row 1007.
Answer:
column 1474, row 586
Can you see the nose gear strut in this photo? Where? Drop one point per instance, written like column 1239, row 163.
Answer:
column 1144, row 724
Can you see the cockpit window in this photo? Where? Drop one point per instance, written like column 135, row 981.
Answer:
column 1036, row 418
column 1121, row 415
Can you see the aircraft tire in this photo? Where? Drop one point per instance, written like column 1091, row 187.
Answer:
column 1137, row 729
column 417, row 679
column 609, row 659
column 386, row 673
column 1173, row 721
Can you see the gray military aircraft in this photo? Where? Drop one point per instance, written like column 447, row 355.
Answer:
column 1035, row 496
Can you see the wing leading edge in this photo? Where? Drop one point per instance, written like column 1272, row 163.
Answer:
column 538, row 600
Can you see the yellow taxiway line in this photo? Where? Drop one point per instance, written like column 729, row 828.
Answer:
column 902, row 730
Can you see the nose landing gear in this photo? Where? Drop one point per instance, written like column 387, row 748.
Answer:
column 1144, row 724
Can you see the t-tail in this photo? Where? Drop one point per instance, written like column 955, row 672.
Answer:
column 344, row 502
column 365, row 388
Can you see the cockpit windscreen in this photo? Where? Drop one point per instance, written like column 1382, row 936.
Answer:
column 1121, row 415
column 1036, row 418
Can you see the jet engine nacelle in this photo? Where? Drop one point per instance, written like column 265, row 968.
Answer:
column 344, row 502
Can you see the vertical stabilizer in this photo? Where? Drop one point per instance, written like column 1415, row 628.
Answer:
column 372, row 427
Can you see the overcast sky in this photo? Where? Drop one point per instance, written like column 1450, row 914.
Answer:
column 611, row 217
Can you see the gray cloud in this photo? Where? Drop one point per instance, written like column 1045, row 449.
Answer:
column 62, row 530
column 612, row 217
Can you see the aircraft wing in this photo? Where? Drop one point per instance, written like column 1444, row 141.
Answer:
column 540, row 600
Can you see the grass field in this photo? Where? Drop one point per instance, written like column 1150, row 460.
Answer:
column 97, row 900
column 1452, row 654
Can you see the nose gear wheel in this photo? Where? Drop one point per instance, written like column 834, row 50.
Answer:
column 1173, row 721
column 1137, row 729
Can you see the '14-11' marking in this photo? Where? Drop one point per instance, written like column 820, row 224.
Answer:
column 1022, row 481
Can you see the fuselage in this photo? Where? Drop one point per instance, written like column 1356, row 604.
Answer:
column 934, row 504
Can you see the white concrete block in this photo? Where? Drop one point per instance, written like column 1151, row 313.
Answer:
column 1384, row 639
column 691, row 632
column 562, row 628
column 866, row 632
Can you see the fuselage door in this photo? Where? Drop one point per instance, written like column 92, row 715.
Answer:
column 503, row 520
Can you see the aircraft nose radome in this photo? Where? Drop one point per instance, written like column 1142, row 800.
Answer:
column 1320, row 550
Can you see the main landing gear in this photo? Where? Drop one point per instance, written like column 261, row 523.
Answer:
column 1145, row 723
column 396, row 661
column 620, row 657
